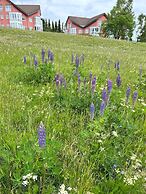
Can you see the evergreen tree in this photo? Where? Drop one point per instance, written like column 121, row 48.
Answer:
column 53, row 28
column 44, row 24
column 59, row 26
column 56, row 28
column 62, row 27
column 120, row 23
column 141, row 28
column 49, row 25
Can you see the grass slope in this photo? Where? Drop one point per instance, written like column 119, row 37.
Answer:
column 106, row 155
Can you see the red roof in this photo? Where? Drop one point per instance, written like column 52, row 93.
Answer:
column 85, row 22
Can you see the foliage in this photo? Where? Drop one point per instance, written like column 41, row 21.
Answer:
column 141, row 28
column 120, row 23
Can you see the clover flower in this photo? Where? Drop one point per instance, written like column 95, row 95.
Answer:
column 41, row 135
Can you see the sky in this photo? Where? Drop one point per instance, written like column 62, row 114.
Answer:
column 61, row 9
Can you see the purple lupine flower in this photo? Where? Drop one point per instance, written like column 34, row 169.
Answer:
column 72, row 58
column 104, row 95
column 117, row 65
column 134, row 98
column 35, row 62
column 85, row 82
column 128, row 94
column 118, row 80
column 102, row 107
column 24, row 59
column 51, row 57
column 43, row 55
column 77, row 61
column 79, row 80
column 92, row 110
column 109, row 86
column 90, row 76
column 93, row 84
column 41, row 135
column 49, row 53
column 140, row 72
column 82, row 59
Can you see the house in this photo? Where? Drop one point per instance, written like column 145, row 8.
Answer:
column 20, row 16
column 88, row 26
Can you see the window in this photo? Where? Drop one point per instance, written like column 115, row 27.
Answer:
column 30, row 19
column 8, row 7
column 72, row 30
column 86, row 31
column 2, row 16
column 94, row 30
column 80, row 31
column 23, row 18
column 7, row 17
column 1, row 7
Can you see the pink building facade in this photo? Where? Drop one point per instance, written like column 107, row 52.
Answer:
column 20, row 16
column 86, row 26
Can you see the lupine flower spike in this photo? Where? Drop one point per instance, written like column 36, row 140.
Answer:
column 104, row 95
column 128, row 94
column 24, row 60
column 118, row 80
column 102, row 108
column 93, row 85
column 43, row 55
column 35, row 62
column 134, row 98
column 92, row 110
column 109, row 86
column 41, row 135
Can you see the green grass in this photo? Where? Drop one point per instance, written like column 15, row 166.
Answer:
column 82, row 154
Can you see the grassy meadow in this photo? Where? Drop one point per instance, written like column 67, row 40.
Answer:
column 105, row 154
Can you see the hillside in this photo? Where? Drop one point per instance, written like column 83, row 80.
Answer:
column 88, row 149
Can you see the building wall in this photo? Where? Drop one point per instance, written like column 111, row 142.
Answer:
column 84, row 30
column 27, row 22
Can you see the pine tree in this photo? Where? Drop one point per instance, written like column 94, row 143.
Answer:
column 59, row 26
column 49, row 25
column 56, row 28
column 141, row 28
column 120, row 23
column 53, row 28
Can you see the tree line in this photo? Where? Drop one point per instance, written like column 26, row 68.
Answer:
column 51, row 26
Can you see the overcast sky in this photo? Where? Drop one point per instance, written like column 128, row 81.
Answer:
column 61, row 9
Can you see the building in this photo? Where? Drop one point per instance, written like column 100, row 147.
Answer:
column 20, row 16
column 88, row 26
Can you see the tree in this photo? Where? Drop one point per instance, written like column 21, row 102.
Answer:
column 44, row 24
column 53, row 28
column 56, row 27
column 59, row 26
column 49, row 25
column 120, row 23
column 141, row 28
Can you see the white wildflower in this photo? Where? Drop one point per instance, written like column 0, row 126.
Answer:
column 62, row 190
column 69, row 188
column 133, row 157
column 25, row 183
column 35, row 177
column 114, row 133
column 99, row 141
